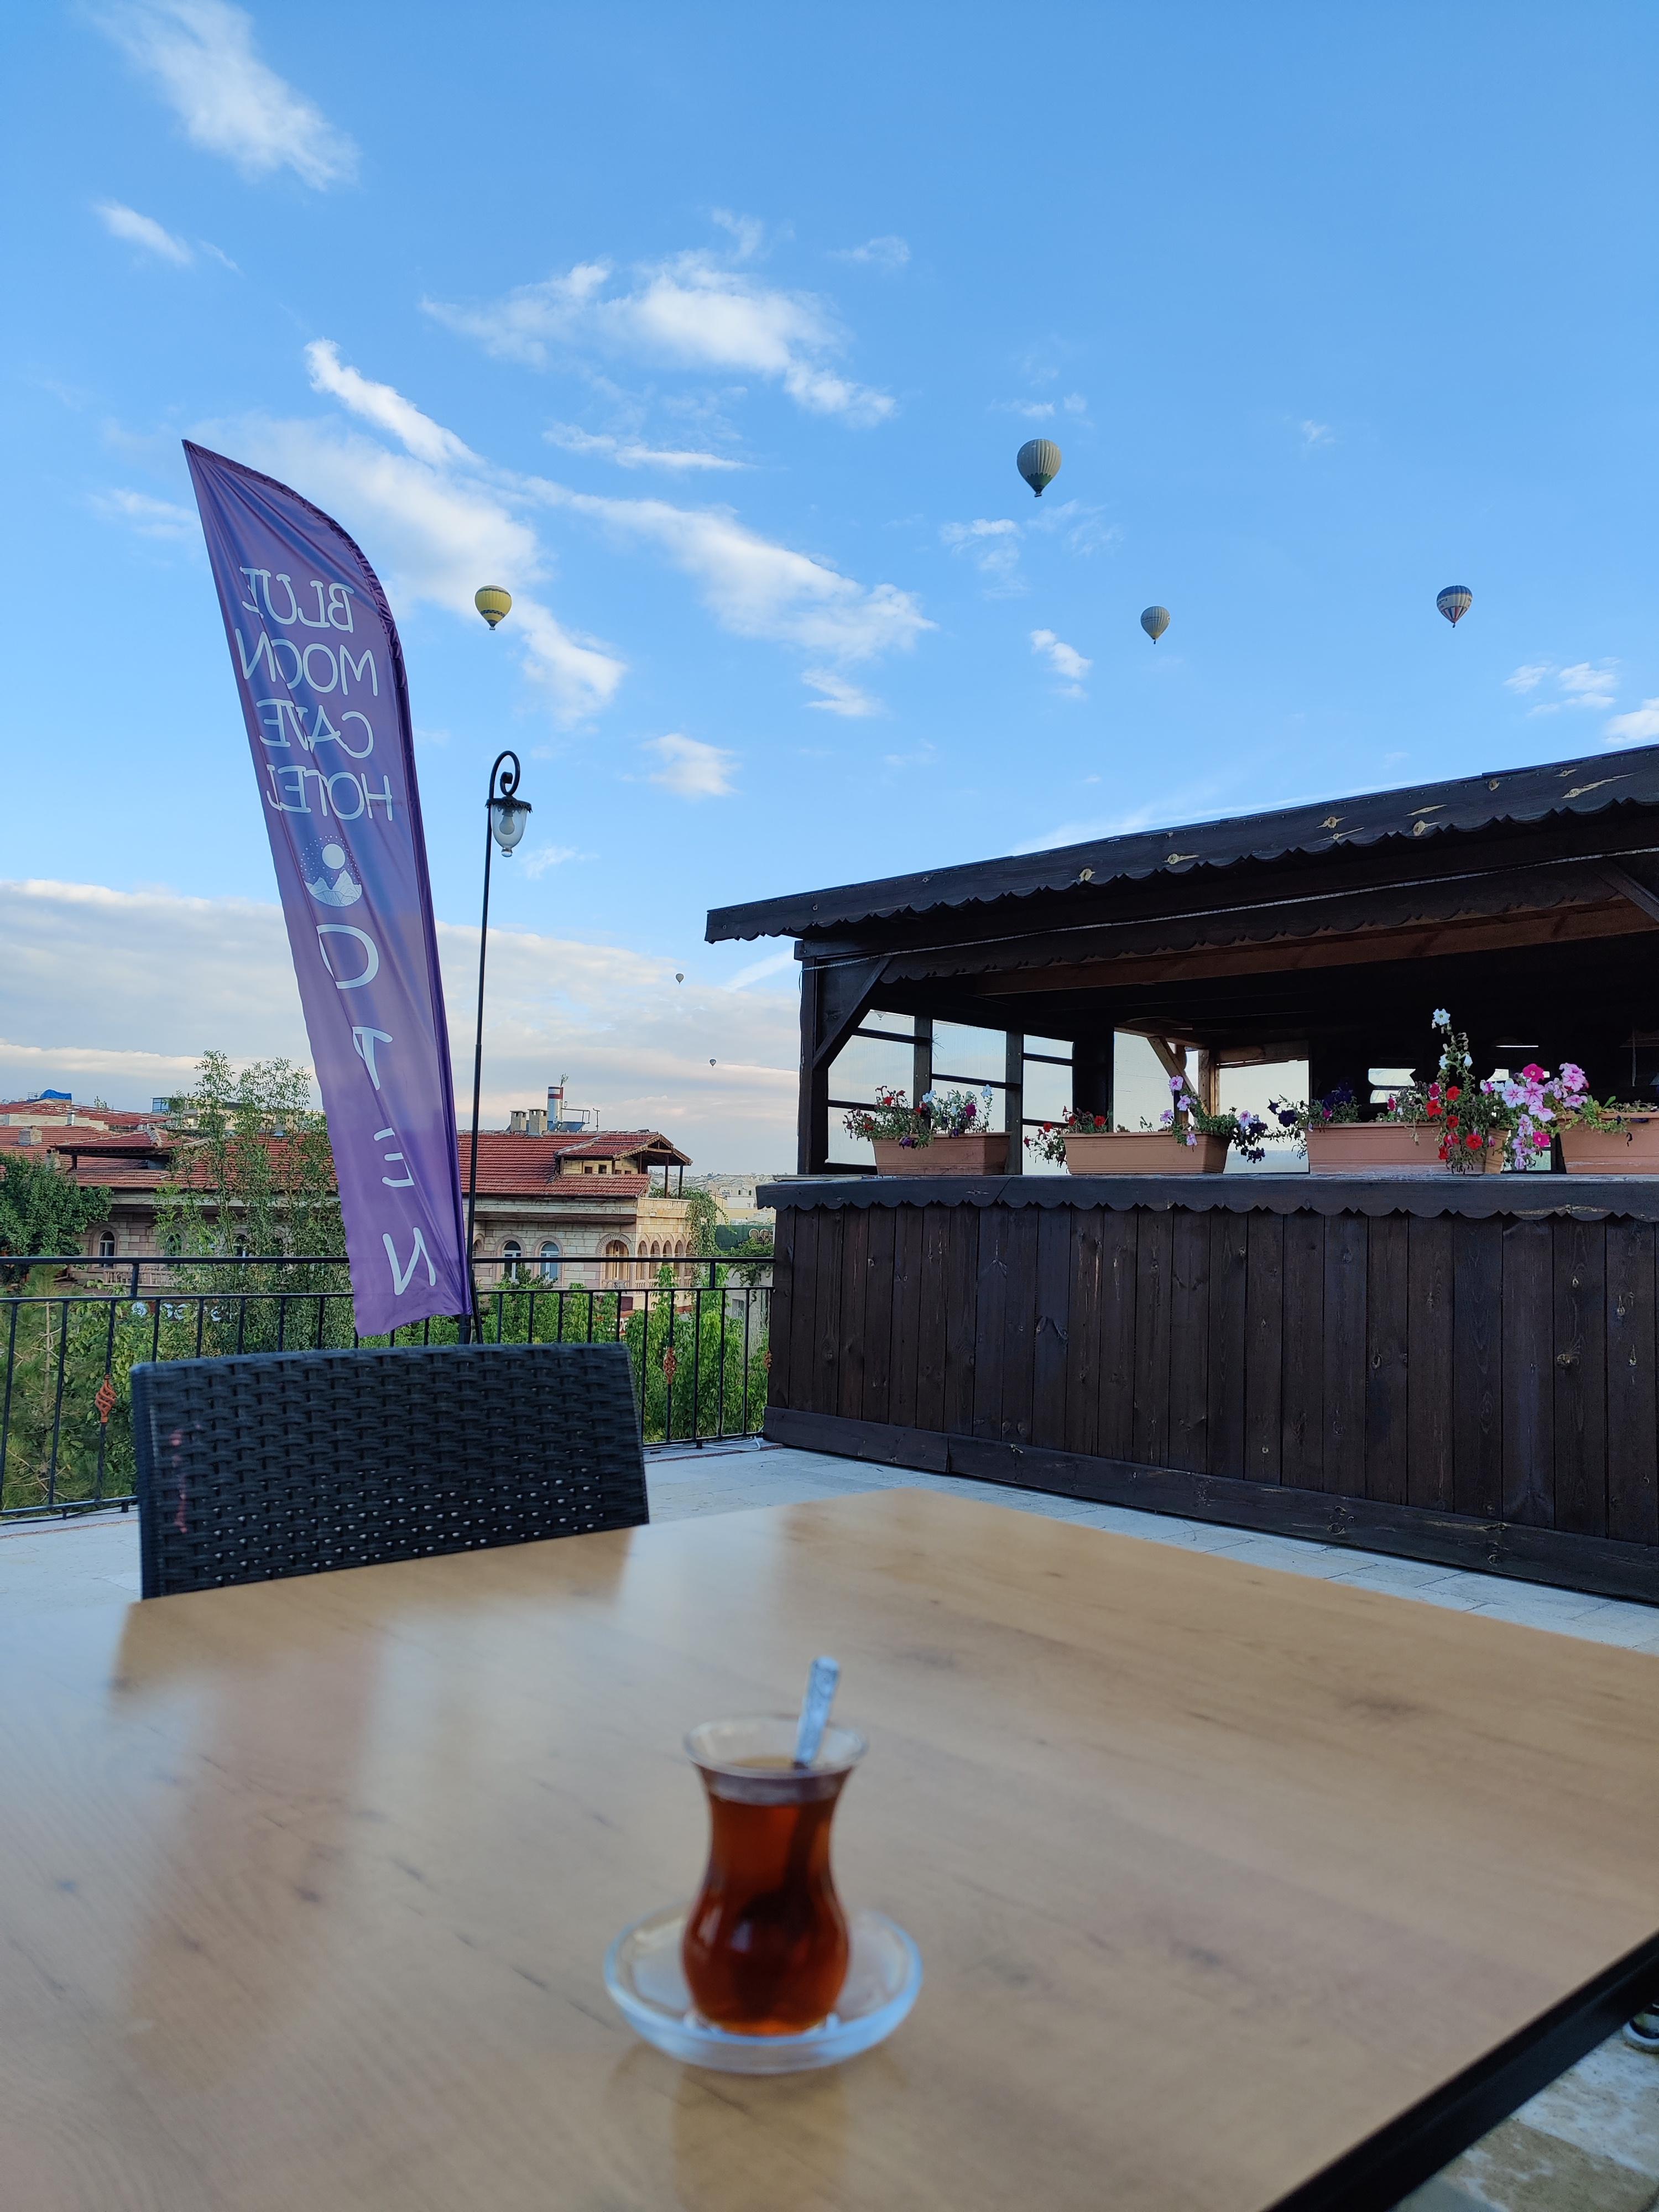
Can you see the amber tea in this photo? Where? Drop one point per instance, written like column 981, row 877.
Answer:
column 765, row 1948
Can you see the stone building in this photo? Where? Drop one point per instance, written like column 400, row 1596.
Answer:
column 575, row 1210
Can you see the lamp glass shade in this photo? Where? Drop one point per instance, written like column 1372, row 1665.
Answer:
column 508, row 819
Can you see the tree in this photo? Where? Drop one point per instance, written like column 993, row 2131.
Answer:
column 255, row 1173
column 44, row 1210
column 703, row 1218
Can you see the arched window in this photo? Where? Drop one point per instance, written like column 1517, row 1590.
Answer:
column 615, row 1252
column 106, row 1243
column 512, row 1252
column 679, row 1249
column 551, row 1256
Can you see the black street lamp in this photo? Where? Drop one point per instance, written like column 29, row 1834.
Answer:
column 506, row 817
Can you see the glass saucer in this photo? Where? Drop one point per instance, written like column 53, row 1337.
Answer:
column 647, row 1987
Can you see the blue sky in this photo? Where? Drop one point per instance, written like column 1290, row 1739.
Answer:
column 712, row 334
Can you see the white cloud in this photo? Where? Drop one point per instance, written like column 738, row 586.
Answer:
column 1586, row 683
column 201, row 53
column 884, row 254
column 120, row 992
column 1081, row 526
column 142, row 231
column 1317, row 434
column 380, row 404
column 1065, row 661
column 992, row 546
column 755, row 587
column 693, row 312
column 541, row 857
column 630, row 453
column 774, row 963
column 438, row 537
column 1075, row 404
column 150, row 517
column 1639, row 727
column 840, row 696
column 1032, row 411
column 691, row 769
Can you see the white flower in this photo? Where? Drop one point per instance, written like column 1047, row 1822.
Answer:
column 1442, row 1018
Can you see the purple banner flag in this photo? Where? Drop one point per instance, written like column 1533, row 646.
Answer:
column 320, row 673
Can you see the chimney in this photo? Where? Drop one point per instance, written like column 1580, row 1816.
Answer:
column 515, row 1121
column 535, row 1121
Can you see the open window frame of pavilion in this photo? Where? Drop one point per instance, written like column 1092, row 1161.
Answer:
column 1525, row 901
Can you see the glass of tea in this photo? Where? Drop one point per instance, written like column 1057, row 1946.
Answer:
column 765, row 1947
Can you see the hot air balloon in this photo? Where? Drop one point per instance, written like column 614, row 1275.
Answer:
column 1454, row 602
column 679, row 977
column 492, row 603
column 1038, row 462
column 1155, row 621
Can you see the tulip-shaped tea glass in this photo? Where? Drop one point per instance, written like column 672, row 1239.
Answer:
column 765, row 1950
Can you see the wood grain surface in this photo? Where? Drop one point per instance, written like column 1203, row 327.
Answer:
column 304, row 1887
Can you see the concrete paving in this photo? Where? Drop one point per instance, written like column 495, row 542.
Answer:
column 1588, row 2143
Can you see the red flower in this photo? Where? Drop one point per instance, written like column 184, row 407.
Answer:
column 1434, row 1109
column 1454, row 1092
column 1472, row 1141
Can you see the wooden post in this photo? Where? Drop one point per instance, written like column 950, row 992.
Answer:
column 1013, row 1109
column 922, row 1059
column 1092, row 1068
column 1209, row 1076
column 812, row 1124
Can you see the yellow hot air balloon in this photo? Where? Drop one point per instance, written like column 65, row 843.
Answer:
column 1155, row 621
column 1038, row 462
column 492, row 603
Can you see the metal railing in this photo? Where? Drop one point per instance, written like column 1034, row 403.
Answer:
column 72, row 1328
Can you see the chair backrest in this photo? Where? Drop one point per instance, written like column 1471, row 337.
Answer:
column 296, row 1462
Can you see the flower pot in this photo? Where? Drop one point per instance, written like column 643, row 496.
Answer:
column 985, row 1155
column 1607, row 1152
column 1374, row 1148
column 1152, row 1151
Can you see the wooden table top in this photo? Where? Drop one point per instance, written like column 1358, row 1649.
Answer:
column 305, row 1889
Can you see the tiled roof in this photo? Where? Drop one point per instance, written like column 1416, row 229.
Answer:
column 509, row 1166
column 568, row 1190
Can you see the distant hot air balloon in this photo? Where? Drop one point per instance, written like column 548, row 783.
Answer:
column 492, row 603
column 1454, row 602
column 1155, row 621
column 679, row 978
column 1038, row 462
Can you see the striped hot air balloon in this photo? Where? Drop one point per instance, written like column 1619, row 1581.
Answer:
column 1038, row 462
column 1155, row 621
column 492, row 603
column 1455, row 602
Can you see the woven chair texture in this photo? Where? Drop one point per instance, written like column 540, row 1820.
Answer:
column 299, row 1462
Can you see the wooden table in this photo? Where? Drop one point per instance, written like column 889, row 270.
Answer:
column 1235, row 1889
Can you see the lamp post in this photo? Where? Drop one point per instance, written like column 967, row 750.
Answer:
column 505, row 816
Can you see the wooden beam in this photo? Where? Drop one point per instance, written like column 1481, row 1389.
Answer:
column 1357, row 948
column 1629, row 887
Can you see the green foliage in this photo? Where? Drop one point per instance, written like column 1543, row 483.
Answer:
column 703, row 1222
column 67, row 1343
column 256, row 1170
column 43, row 1210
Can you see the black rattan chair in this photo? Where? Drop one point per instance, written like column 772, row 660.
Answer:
column 297, row 1462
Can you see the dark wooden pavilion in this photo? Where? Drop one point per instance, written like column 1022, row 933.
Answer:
column 1525, row 901
column 1462, row 1368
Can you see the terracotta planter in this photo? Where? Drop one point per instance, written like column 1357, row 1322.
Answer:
column 1599, row 1151
column 1150, row 1151
column 1374, row 1148
column 985, row 1155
